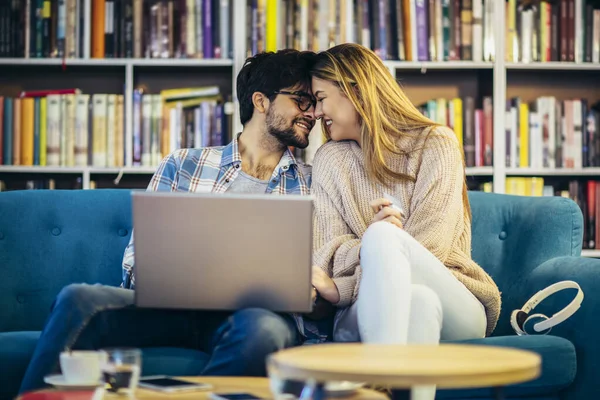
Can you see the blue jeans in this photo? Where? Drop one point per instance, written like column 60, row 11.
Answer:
column 94, row 316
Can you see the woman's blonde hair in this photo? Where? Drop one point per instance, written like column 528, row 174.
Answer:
column 385, row 111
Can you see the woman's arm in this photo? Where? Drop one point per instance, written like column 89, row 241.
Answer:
column 437, row 205
column 334, row 244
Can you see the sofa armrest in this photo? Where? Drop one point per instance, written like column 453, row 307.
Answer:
column 581, row 329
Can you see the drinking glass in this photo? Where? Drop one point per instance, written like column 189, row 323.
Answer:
column 121, row 370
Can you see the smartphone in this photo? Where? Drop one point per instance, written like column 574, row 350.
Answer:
column 168, row 384
column 233, row 396
column 395, row 203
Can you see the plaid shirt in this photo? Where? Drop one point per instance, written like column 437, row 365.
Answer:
column 213, row 170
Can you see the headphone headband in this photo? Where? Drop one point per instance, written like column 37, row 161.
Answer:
column 561, row 315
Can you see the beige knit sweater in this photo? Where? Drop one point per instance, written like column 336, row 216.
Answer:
column 435, row 212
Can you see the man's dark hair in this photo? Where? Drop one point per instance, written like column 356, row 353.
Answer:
column 269, row 72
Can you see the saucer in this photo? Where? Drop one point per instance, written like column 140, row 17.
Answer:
column 59, row 382
column 342, row 388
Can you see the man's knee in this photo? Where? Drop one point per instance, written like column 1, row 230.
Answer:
column 262, row 330
column 85, row 296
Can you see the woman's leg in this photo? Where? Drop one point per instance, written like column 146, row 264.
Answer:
column 423, row 327
column 398, row 271
column 408, row 296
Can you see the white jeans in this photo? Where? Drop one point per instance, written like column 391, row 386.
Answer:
column 407, row 295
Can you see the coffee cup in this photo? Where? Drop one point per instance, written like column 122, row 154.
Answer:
column 81, row 366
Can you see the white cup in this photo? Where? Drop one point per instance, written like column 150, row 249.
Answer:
column 81, row 366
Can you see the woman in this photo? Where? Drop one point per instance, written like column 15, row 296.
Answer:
column 395, row 277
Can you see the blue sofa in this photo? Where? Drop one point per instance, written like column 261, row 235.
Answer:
column 49, row 239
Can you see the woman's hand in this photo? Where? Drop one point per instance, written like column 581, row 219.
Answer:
column 325, row 285
column 384, row 212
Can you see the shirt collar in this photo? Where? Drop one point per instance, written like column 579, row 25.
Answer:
column 231, row 156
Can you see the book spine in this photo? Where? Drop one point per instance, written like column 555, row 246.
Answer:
column 208, row 34
column 27, row 128
column 137, row 129
column 127, row 28
column 109, row 29
column 36, row 130
column 8, row 130
column 99, row 130
column 81, row 129
column 422, row 30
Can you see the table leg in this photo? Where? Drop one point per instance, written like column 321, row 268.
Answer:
column 401, row 394
column 499, row 393
column 313, row 391
column 319, row 393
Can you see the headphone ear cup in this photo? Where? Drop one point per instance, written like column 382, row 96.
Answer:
column 517, row 318
column 531, row 321
column 521, row 317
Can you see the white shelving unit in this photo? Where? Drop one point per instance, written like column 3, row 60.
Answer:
column 554, row 66
column 498, row 71
column 589, row 171
column 591, row 253
column 446, row 65
column 130, row 68
column 116, row 62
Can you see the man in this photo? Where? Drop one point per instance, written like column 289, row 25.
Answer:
column 277, row 111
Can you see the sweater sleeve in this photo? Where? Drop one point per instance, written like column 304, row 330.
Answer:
column 437, row 203
column 336, row 247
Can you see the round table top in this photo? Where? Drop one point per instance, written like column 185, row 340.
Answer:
column 404, row 366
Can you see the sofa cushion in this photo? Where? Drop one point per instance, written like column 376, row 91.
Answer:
column 559, row 366
column 53, row 238
column 173, row 361
column 16, row 349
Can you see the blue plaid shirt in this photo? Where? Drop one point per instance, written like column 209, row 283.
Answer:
column 213, row 170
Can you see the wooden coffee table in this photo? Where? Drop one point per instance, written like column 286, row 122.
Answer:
column 257, row 386
column 404, row 367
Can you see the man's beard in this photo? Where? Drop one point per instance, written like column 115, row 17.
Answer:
column 285, row 135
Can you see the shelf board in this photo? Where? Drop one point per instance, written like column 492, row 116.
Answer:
column 553, row 65
column 590, row 171
column 40, row 170
column 74, row 170
column 480, row 171
column 590, row 253
column 180, row 62
column 125, row 170
column 120, row 62
column 439, row 65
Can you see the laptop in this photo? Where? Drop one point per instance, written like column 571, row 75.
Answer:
column 223, row 251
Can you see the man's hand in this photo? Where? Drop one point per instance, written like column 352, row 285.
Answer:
column 325, row 285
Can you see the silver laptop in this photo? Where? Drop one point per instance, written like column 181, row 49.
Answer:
column 222, row 251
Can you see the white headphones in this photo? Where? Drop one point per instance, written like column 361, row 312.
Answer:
column 519, row 319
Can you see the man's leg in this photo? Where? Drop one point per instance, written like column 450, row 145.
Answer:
column 94, row 316
column 244, row 340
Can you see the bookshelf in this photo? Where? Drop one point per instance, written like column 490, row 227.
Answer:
column 117, row 62
column 503, row 71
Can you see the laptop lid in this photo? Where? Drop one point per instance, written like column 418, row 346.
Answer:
column 223, row 251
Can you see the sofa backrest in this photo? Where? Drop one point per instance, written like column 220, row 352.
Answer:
column 50, row 238
column 512, row 235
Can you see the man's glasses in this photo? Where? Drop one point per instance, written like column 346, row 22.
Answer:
column 304, row 100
